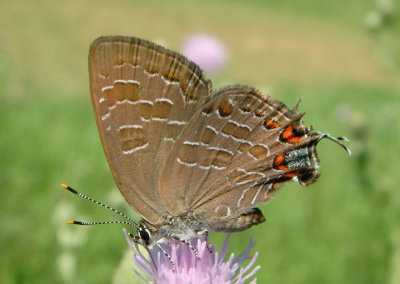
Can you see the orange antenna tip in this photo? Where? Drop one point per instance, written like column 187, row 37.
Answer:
column 64, row 186
column 70, row 222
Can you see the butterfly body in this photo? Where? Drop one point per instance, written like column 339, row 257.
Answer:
column 186, row 159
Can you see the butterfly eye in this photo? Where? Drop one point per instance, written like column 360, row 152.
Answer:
column 144, row 234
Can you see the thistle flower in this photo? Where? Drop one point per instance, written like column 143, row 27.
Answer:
column 210, row 267
column 207, row 51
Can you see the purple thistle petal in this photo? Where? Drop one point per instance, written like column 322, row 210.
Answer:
column 245, row 255
column 210, row 268
column 224, row 248
column 244, row 270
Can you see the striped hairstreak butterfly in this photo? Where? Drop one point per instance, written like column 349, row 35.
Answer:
column 187, row 159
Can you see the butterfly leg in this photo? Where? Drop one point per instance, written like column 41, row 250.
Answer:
column 158, row 244
column 137, row 239
column 191, row 247
column 204, row 233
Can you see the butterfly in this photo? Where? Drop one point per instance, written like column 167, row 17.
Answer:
column 189, row 160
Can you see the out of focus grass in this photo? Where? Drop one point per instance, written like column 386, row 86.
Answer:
column 343, row 229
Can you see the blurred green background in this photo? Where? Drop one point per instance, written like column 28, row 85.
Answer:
column 342, row 57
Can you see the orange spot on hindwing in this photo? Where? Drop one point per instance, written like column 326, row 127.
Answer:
column 279, row 163
column 271, row 124
column 288, row 135
column 290, row 175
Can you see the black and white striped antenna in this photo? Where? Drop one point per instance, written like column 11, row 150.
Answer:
column 131, row 222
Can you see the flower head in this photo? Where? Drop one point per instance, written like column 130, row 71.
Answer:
column 207, row 51
column 207, row 267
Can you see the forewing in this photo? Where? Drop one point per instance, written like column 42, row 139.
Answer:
column 143, row 95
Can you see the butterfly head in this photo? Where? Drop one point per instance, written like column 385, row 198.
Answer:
column 144, row 234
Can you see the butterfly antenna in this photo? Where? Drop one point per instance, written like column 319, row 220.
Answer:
column 100, row 223
column 70, row 189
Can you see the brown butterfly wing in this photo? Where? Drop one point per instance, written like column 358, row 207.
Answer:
column 233, row 154
column 143, row 96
